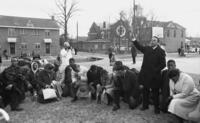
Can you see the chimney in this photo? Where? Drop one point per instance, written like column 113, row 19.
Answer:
column 104, row 25
column 52, row 17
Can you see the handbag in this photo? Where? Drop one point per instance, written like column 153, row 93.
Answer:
column 49, row 93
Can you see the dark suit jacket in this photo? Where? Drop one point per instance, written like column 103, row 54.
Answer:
column 133, row 51
column 130, row 84
column 153, row 62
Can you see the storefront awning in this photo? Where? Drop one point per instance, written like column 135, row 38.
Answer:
column 47, row 40
column 12, row 40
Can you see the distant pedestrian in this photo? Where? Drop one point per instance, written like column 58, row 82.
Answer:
column 111, row 55
column 5, row 54
column 75, row 51
column 179, row 51
column 133, row 53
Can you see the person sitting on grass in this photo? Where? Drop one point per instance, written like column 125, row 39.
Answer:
column 184, row 96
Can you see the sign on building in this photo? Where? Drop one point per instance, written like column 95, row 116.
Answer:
column 157, row 31
column 121, row 30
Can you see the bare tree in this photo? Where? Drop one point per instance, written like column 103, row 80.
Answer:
column 66, row 10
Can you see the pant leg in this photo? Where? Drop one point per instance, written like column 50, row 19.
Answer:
column 155, row 92
column 74, row 89
column 116, row 97
column 15, row 99
column 133, row 57
column 145, row 94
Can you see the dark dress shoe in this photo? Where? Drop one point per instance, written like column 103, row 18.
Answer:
column 144, row 108
column 74, row 99
column 17, row 109
column 115, row 108
column 156, row 111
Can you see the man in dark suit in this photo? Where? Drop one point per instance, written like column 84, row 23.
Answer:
column 150, row 75
column 125, row 85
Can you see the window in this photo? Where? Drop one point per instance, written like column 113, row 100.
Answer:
column 37, row 46
column 21, row 31
column 47, row 48
column 96, row 46
column 24, row 46
column 12, row 48
column 35, row 32
column 174, row 33
column 103, row 46
column 168, row 33
column 47, row 33
column 11, row 32
column 182, row 33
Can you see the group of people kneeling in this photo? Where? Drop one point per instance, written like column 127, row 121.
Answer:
column 178, row 93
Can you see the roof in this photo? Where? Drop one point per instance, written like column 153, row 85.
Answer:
column 94, row 28
column 82, row 38
column 98, row 40
column 164, row 24
column 26, row 22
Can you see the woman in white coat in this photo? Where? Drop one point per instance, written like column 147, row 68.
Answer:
column 65, row 55
column 183, row 93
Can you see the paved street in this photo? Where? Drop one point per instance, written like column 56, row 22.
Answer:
column 189, row 64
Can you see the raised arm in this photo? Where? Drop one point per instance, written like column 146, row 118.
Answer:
column 137, row 45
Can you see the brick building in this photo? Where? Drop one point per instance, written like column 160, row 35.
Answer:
column 174, row 35
column 117, row 34
column 19, row 35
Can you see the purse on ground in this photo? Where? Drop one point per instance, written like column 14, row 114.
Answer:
column 49, row 93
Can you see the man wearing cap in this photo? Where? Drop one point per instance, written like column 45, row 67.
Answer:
column 150, row 74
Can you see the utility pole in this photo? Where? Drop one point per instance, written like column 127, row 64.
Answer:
column 65, row 16
column 77, row 31
column 133, row 20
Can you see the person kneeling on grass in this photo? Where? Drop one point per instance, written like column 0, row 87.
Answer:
column 79, row 86
column 184, row 95
column 46, row 80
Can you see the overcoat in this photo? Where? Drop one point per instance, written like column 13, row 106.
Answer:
column 153, row 62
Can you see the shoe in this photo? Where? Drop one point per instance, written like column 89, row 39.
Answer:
column 144, row 108
column 17, row 109
column 115, row 108
column 74, row 99
column 156, row 111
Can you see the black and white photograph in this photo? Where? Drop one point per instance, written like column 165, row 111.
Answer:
column 99, row 61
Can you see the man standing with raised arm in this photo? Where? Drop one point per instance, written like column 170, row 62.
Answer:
column 150, row 74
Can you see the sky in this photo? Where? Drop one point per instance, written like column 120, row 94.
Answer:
column 184, row 12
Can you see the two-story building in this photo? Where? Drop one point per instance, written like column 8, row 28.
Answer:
column 19, row 35
column 173, row 34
